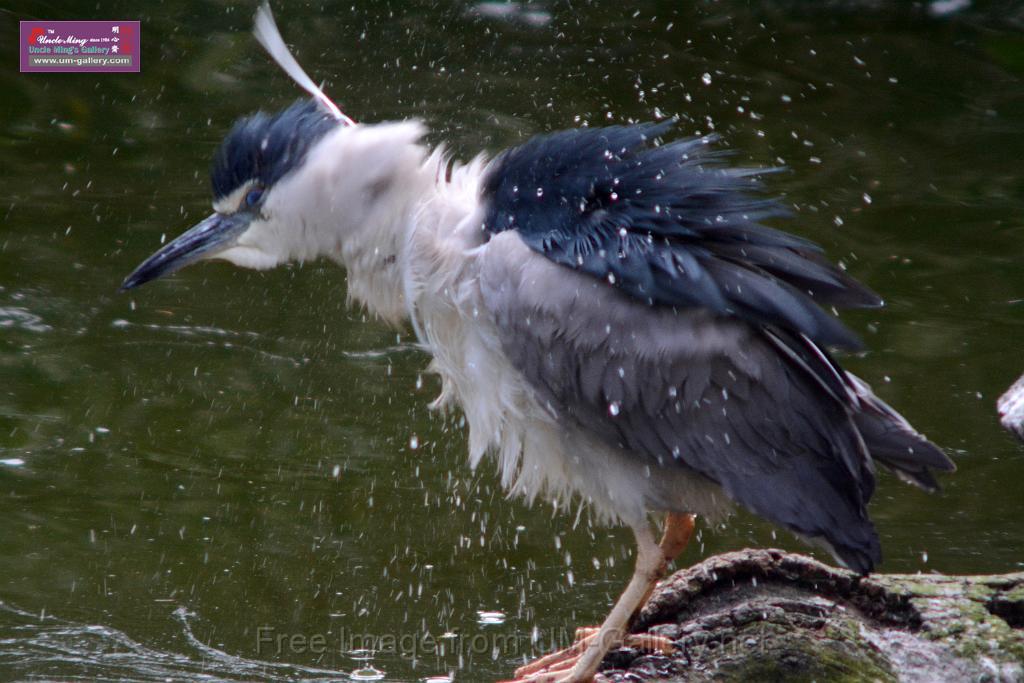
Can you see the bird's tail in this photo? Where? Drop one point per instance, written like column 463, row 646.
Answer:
column 893, row 443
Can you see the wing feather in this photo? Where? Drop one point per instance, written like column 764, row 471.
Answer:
column 763, row 413
column 668, row 225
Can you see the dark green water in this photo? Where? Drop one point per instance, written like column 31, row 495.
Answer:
column 224, row 458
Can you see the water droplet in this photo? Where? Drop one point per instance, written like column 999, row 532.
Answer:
column 540, row 191
column 490, row 618
column 414, row 442
column 706, row 78
column 614, row 408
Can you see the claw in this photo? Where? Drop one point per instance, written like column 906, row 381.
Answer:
column 557, row 667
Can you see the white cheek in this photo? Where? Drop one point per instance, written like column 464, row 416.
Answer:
column 262, row 245
column 248, row 257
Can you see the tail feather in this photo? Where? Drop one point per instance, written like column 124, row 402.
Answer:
column 893, row 443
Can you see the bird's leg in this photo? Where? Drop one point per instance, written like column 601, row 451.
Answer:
column 674, row 539
column 584, row 656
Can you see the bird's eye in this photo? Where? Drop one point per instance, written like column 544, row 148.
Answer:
column 254, row 196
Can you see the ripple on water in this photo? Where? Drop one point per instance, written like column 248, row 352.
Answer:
column 22, row 318
column 39, row 642
column 367, row 673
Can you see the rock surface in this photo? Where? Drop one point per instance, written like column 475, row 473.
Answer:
column 768, row 615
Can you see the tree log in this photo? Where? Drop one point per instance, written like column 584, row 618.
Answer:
column 1011, row 408
column 768, row 615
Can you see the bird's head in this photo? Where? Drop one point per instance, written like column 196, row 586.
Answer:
column 253, row 207
column 303, row 183
column 294, row 186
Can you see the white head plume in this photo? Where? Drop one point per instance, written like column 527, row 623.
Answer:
column 269, row 37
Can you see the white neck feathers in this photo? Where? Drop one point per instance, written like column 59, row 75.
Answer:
column 360, row 190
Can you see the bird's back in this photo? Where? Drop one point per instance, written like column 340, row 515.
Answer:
column 644, row 307
column 669, row 225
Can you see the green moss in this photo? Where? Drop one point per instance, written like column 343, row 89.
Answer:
column 978, row 591
column 814, row 661
column 834, row 654
column 996, row 639
column 1015, row 595
column 925, row 587
column 974, row 632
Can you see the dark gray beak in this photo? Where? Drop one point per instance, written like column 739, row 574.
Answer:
column 214, row 234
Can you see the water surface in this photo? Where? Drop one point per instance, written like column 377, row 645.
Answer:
column 194, row 473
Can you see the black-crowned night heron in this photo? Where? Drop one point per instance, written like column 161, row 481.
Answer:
column 609, row 313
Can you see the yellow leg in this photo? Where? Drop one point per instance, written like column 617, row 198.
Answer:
column 675, row 538
column 579, row 663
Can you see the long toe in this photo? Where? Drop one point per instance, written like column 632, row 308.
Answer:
column 556, row 661
column 648, row 642
column 561, row 673
column 563, row 666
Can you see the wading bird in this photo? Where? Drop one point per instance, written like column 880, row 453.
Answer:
column 608, row 311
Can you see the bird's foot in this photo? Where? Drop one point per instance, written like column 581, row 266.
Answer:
column 561, row 666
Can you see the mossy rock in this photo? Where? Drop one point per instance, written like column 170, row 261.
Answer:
column 768, row 615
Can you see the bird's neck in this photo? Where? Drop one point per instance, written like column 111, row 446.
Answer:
column 374, row 253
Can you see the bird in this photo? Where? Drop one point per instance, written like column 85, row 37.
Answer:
column 606, row 306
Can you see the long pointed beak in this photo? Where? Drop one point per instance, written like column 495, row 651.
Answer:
column 214, row 234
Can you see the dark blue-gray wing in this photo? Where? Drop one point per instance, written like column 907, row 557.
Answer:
column 776, row 428
column 667, row 225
